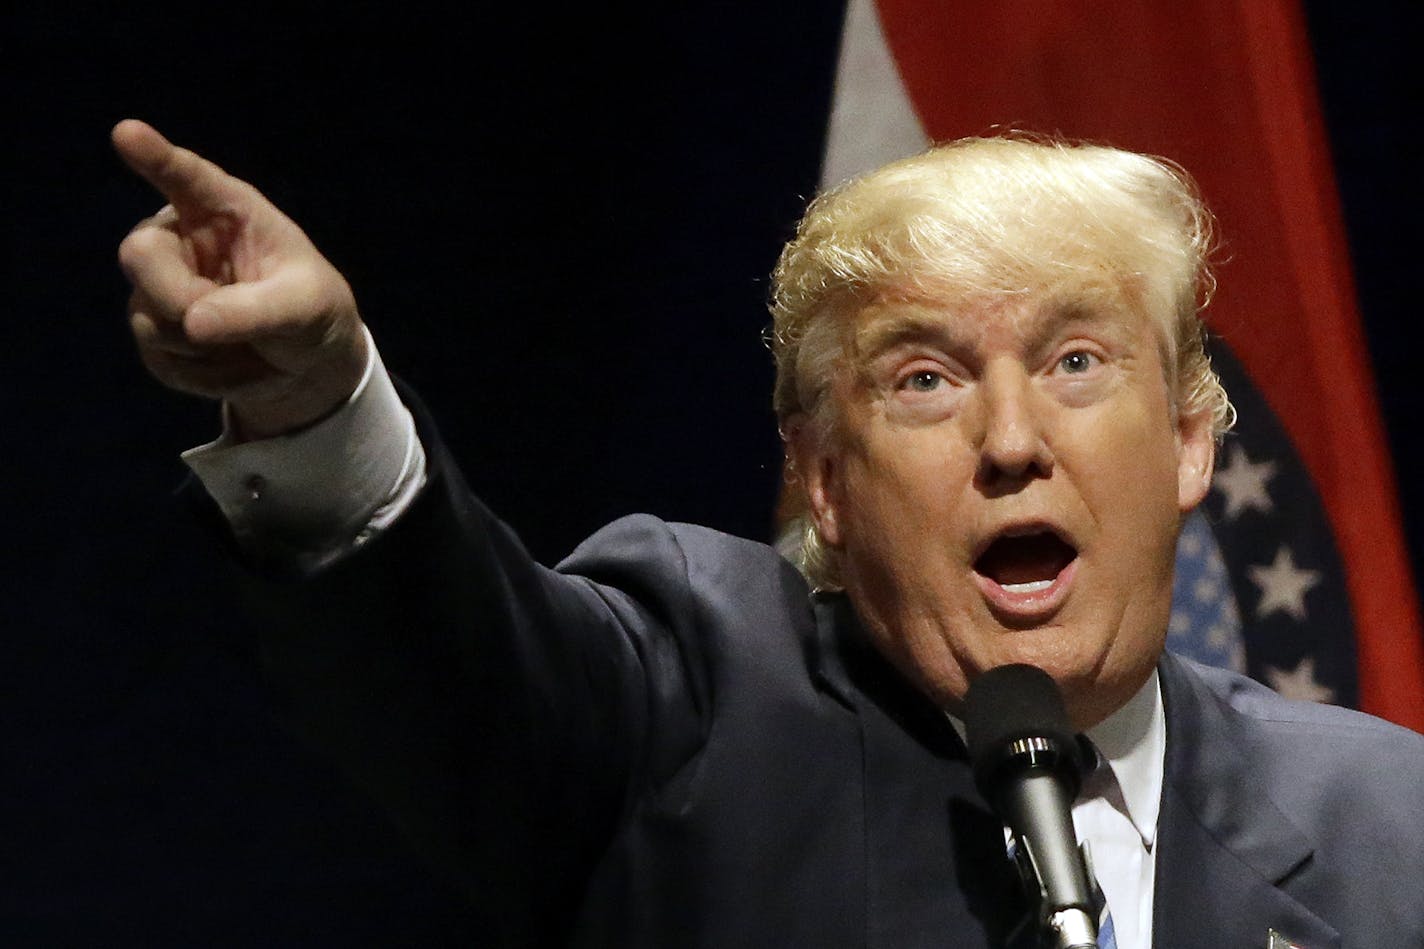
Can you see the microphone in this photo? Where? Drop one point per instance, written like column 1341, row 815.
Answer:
column 1027, row 764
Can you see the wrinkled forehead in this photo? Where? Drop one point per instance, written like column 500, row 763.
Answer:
column 873, row 321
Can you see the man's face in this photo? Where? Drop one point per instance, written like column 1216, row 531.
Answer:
column 1006, row 485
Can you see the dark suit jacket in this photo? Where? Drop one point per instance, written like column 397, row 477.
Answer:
column 667, row 742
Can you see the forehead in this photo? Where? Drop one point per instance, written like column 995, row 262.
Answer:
column 956, row 320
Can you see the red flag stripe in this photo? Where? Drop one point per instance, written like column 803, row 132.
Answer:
column 1364, row 511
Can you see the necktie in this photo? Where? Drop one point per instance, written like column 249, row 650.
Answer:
column 1106, row 937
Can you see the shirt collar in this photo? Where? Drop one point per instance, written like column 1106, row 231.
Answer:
column 1133, row 742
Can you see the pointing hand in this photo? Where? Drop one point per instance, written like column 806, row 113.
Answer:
column 230, row 299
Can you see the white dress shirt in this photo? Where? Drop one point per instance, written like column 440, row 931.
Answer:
column 1116, row 811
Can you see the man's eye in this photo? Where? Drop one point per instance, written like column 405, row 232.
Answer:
column 924, row 381
column 1076, row 362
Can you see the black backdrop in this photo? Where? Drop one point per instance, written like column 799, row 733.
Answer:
column 558, row 224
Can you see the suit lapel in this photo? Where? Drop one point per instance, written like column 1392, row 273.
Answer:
column 936, row 873
column 1223, row 847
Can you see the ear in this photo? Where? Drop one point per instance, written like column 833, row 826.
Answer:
column 1196, row 459
column 817, row 469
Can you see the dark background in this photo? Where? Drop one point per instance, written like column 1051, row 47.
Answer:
column 558, row 224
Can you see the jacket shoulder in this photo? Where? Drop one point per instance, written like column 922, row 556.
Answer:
column 690, row 568
column 1320, row 760
column 1273, row 713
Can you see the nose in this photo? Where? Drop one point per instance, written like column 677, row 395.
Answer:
column 1013, row 448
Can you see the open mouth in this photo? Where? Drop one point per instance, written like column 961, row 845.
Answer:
column 1026, row 563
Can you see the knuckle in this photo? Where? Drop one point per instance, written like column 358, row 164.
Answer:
column 142, row 327
column 128, row 253
column 139, row 247
column 151, row 308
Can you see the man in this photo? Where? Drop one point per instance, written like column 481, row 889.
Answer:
column 994, row 393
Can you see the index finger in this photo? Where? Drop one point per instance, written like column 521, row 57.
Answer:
column 191, row 183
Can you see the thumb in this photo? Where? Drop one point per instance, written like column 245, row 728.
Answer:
column 288, row 303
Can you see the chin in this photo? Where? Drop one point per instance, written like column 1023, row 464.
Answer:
column 1093, row 685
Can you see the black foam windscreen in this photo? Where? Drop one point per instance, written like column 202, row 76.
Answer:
column 1009, row 703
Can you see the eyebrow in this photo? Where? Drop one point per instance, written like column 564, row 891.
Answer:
column 1059, row 313
column 909, row 326
column 912, row 325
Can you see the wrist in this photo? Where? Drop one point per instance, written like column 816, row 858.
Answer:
column 311, row 397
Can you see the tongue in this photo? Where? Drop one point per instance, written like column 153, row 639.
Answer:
column 1011, row 561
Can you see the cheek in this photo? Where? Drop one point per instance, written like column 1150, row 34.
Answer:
column 905, row 532
column 902, row 486
column 1125, row 471
column 1134, row 496
column 1134, row 450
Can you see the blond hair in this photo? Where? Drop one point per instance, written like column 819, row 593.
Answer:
column 993, row 216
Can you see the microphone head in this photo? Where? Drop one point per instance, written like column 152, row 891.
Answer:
column 1015, row 720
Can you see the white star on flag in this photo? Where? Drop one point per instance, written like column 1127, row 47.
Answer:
column 1243, row 483
column 1299, row 683
column 1283, row 585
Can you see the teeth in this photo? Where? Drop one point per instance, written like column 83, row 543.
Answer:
column 1031, row 587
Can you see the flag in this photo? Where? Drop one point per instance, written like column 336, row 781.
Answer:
column 1295, row 569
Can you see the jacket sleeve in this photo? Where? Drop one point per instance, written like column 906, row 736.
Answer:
column 505, row 713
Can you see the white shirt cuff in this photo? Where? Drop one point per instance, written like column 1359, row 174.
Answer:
column 306, row 498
